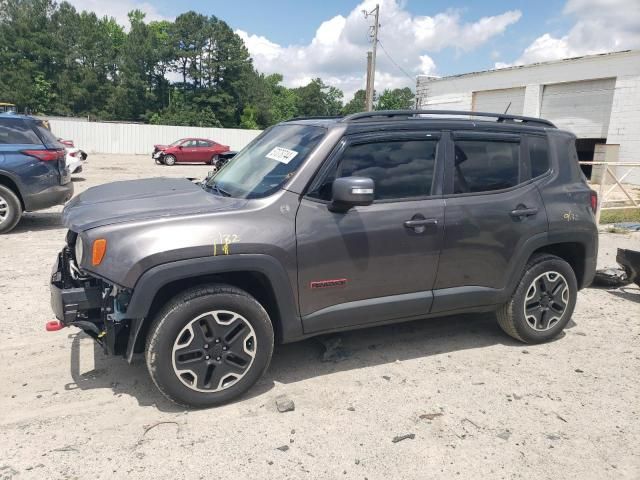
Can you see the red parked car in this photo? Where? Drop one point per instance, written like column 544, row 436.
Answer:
column 189, row 150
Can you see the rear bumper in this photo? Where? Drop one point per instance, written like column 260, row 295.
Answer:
column 55, row 195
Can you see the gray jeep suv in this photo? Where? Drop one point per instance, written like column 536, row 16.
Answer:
column 327, row 224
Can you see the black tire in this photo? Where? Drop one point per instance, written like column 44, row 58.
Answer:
column 543, row 269
column 170, row 324
column 10, row 209
column 169, row 160
column 214, row 160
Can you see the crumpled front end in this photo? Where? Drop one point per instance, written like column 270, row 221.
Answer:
column 88, row 302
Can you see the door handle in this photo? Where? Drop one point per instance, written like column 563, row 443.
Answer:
column 523, row 212
column 420, row 223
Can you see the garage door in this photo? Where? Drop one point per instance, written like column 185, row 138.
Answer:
column 583, row 108
column 497, row 101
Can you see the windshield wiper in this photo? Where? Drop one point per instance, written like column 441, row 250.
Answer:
column 217, row 189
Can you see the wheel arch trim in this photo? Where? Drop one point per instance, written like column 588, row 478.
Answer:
column 12, row 181
column 150, row 283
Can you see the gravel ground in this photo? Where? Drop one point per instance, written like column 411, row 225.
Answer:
column 476, row 403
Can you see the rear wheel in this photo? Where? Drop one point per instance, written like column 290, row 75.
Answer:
column 543, row 302
column 169, row 160
column 209, row 345
column 10, row 209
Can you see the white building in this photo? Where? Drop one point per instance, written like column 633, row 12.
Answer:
column 597, row 97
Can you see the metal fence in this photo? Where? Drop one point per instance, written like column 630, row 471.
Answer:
column 132, row 138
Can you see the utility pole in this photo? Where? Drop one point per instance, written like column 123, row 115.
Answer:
column 367, row 101
column 371, row 70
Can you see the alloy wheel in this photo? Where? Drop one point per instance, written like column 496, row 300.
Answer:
column 546, row 301
column 4, row 210
column 214, row 351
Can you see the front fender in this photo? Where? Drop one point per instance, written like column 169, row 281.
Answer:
column 157, row 277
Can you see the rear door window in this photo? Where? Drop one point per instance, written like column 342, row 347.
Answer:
column 17, row 131
column 485, row 165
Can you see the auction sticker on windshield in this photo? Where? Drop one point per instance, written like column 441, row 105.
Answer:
column 282, row 155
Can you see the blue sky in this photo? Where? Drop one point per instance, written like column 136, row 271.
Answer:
column 301, row 19
column 328, row 38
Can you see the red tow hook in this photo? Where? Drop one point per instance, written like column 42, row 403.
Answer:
column 54, row 326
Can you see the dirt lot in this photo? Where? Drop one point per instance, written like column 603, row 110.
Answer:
column 479, row 404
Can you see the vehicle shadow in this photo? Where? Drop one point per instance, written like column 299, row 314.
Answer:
column 630, row 292
column 311, row 358
column 39, row 221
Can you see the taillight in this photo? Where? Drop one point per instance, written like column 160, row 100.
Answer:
column 594, row 201
column 45, row 155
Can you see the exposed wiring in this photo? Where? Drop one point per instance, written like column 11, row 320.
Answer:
column 394, row 62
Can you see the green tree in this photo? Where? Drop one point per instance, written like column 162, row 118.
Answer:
column 396, row 99
column 248, row 118
column 356, row 104
column 56, row 60
column 184, row 115
column 318, row 99
column 188, row 36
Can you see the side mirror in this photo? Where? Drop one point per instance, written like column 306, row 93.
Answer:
column 351, row 192
column 180, row 147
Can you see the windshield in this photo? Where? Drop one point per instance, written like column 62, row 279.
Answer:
column 177, row 142
column 264, row 165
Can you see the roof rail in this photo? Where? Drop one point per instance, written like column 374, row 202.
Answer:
column 500, row 117
column 315, row 117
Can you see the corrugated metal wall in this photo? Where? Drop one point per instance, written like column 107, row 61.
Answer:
column 497, row 101
column 581, row 107
column 131, row 138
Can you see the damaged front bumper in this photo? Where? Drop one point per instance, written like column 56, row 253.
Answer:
column 87, row 302
column 630, row 261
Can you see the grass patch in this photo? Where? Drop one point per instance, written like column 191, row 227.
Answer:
column 618, row 216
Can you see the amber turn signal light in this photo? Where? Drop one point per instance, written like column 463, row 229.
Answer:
column 99, row 249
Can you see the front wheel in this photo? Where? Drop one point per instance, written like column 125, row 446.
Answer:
column 214, row 160
column 169, row 160
column 543, row 302
column 209, row 345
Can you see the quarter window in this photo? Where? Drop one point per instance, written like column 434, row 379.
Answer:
column 485, row 165
column 538, row 156
column 400, row 169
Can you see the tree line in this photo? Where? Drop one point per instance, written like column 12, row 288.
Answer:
column 191, row 71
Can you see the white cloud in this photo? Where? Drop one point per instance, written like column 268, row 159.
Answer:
column 337, row 53
column 118, row 9
column 601, row 26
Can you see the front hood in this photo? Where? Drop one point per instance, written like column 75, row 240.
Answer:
column 133, row 200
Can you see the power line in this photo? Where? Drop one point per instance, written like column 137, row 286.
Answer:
column 394, row 62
